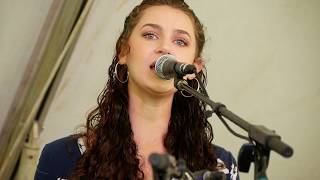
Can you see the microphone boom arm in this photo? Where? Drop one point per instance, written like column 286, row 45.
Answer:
column 265, row 139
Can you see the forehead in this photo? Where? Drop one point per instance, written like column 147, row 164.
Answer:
column 167, row 17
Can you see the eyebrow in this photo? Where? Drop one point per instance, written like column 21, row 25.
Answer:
column 156, row 26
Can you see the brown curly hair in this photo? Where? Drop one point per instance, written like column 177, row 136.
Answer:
column 111, row 152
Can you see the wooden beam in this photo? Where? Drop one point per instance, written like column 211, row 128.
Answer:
column 52, row 50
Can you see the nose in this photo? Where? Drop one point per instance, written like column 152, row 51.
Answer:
column 164, row 48
column 162, row 51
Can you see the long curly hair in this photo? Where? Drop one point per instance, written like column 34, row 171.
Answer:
column 111, row 152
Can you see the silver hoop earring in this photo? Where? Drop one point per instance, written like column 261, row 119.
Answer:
column 115, row 74
column 198, row 87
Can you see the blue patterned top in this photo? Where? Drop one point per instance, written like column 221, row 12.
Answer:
column 58, row 159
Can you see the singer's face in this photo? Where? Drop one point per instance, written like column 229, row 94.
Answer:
column 160, row 30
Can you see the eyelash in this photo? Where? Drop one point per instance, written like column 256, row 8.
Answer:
column 185, row 43
column 148, row 35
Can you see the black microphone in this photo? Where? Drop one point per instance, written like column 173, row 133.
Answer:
column 164, row 166
column 161, row 161
column 167, row 67
column 209, row 175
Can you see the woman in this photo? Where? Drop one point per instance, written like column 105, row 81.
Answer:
column 139, row 113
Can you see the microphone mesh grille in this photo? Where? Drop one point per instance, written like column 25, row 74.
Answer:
column 160, row 63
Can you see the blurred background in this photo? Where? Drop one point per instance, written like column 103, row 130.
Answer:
column 262, row 59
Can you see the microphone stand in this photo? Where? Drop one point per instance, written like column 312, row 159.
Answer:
column 262, row 140
column 166, row 167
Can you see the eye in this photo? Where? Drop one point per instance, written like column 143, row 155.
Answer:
column 150, row 35
column 181, row 42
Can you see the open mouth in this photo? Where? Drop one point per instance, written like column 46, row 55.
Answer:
column 152, row 66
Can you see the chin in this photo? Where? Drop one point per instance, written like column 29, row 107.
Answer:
column 160, row 87
column 163, row 91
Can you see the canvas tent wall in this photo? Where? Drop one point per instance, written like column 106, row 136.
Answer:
column 262, row 60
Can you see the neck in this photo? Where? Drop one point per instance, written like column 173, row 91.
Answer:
column 149, row 116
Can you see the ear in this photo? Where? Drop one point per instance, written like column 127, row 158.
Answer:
column 122, row 59
column 124, row 54
column 199, row 64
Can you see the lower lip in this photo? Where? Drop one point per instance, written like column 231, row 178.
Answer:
column 154, row 71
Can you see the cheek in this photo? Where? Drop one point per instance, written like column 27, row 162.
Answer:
column 187, row 57
column 186, row 54
column 136, row 59
column 140, row 49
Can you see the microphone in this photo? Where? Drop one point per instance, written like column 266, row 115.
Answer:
column 164, row 166
column 167, row 67
column 209, row 175
column 162, row 161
